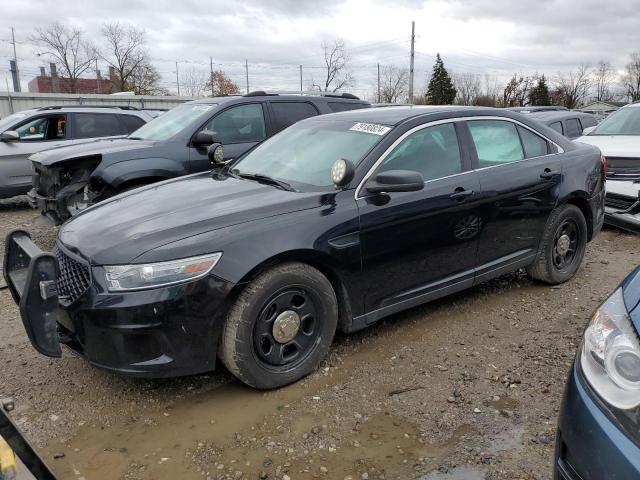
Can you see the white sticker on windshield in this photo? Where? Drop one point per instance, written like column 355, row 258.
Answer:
column 370, row 128
column 203, row 108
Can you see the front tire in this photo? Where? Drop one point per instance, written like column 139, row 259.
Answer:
column 562, row 247
column 280, row 327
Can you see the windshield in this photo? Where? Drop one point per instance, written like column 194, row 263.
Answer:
column 625, row 121
column 173, row 122
column 303, row 154
column 6, row 122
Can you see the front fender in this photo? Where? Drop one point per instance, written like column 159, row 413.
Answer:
column 117, row 174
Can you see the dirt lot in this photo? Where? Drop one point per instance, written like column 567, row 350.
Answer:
column 468, row 387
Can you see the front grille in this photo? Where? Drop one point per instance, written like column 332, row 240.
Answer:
column 618, row 202
column 74, row 278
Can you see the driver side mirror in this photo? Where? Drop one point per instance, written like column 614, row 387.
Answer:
column 9, row 136
column 396, row 181
column 588, row 130
column 205, row 137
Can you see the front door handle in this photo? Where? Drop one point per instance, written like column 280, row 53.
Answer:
column 548, row 174
column 459, row 194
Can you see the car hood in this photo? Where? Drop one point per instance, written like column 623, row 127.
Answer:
column 98, row 147
column 124, row 227
column 614, row 145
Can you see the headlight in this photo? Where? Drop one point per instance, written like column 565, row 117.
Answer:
column 610, row 356
column 136, row 277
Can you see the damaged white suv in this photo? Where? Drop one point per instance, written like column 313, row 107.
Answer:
column 618, row 138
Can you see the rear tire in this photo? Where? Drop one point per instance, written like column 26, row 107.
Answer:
column 562, row 246
column 260, row 343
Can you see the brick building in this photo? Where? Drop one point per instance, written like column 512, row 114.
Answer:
column 53, row 83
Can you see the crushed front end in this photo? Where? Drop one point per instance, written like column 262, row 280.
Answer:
column 63, row 190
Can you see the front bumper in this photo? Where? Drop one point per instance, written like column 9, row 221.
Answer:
column 622, row 205
column 162, row 332
column 590, row 446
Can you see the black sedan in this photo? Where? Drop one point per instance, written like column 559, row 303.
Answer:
column 334, row 223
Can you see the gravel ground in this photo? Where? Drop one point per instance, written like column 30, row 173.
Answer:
column 468, row 387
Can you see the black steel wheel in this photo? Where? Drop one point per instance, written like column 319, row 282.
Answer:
column 280, row 327
column 562, row 246
column 287, row 327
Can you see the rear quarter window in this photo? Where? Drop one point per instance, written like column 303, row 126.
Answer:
column 573, row 128
column 557, row 126
column 534, row 145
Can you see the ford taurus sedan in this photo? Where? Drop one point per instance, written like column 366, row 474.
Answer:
column 334, row 223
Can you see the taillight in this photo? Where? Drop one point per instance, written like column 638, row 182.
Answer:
column 603, row 159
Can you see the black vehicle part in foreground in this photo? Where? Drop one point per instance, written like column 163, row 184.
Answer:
column 70, row 179
column 334, row 223
column 25, row 452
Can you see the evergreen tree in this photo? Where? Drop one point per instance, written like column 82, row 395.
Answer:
column 441, row 90
column 539, row 94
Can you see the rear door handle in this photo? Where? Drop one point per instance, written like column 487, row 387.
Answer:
column 460, row 194
column 548, row 174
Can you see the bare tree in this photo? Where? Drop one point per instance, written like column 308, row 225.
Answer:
column 144, row 80
column 394, row 82
column 193, row 81
column 336, row 61
column 573, row 87
column 124, row 51
column 68, row 49
column 632, row 77
column 516, row 92
column 468, row 88
column 603, row 77
column 220, row 84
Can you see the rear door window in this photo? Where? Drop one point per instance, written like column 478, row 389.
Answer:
column 288, row 113
column 241, row 124
column 131, row 123
column 95, row 125
column 557, row 126
column 50, row 127
column 496, row 142
column 574, row 129
column 534, row 145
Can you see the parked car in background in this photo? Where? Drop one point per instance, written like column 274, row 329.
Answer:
column 38, row 129
column 599, row 426
column 531, row 109
column 618, row 137
column 68, row 180
column 334, row 223
column 569, row 123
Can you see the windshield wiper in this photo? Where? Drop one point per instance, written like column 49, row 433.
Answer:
column 264, row 179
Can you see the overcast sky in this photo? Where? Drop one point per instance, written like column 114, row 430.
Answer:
column 496, row 37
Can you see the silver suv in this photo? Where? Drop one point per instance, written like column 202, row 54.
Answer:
column 38, row 129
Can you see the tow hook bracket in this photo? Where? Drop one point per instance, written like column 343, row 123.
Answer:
column 48, row 289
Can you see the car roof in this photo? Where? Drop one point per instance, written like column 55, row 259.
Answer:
column 304, row 97
column 550, row 116
column 392, row 116
column 84, row 109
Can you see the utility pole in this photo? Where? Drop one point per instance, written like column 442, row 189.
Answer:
column 300, row 78
column 97, row 77
column 211, row 77
column 413, row 39
column 246, row 71
column 16, row 78
column 177, row 79
column 378, row 83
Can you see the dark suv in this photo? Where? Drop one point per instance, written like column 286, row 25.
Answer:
column 68, row 180
column 29, row 131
